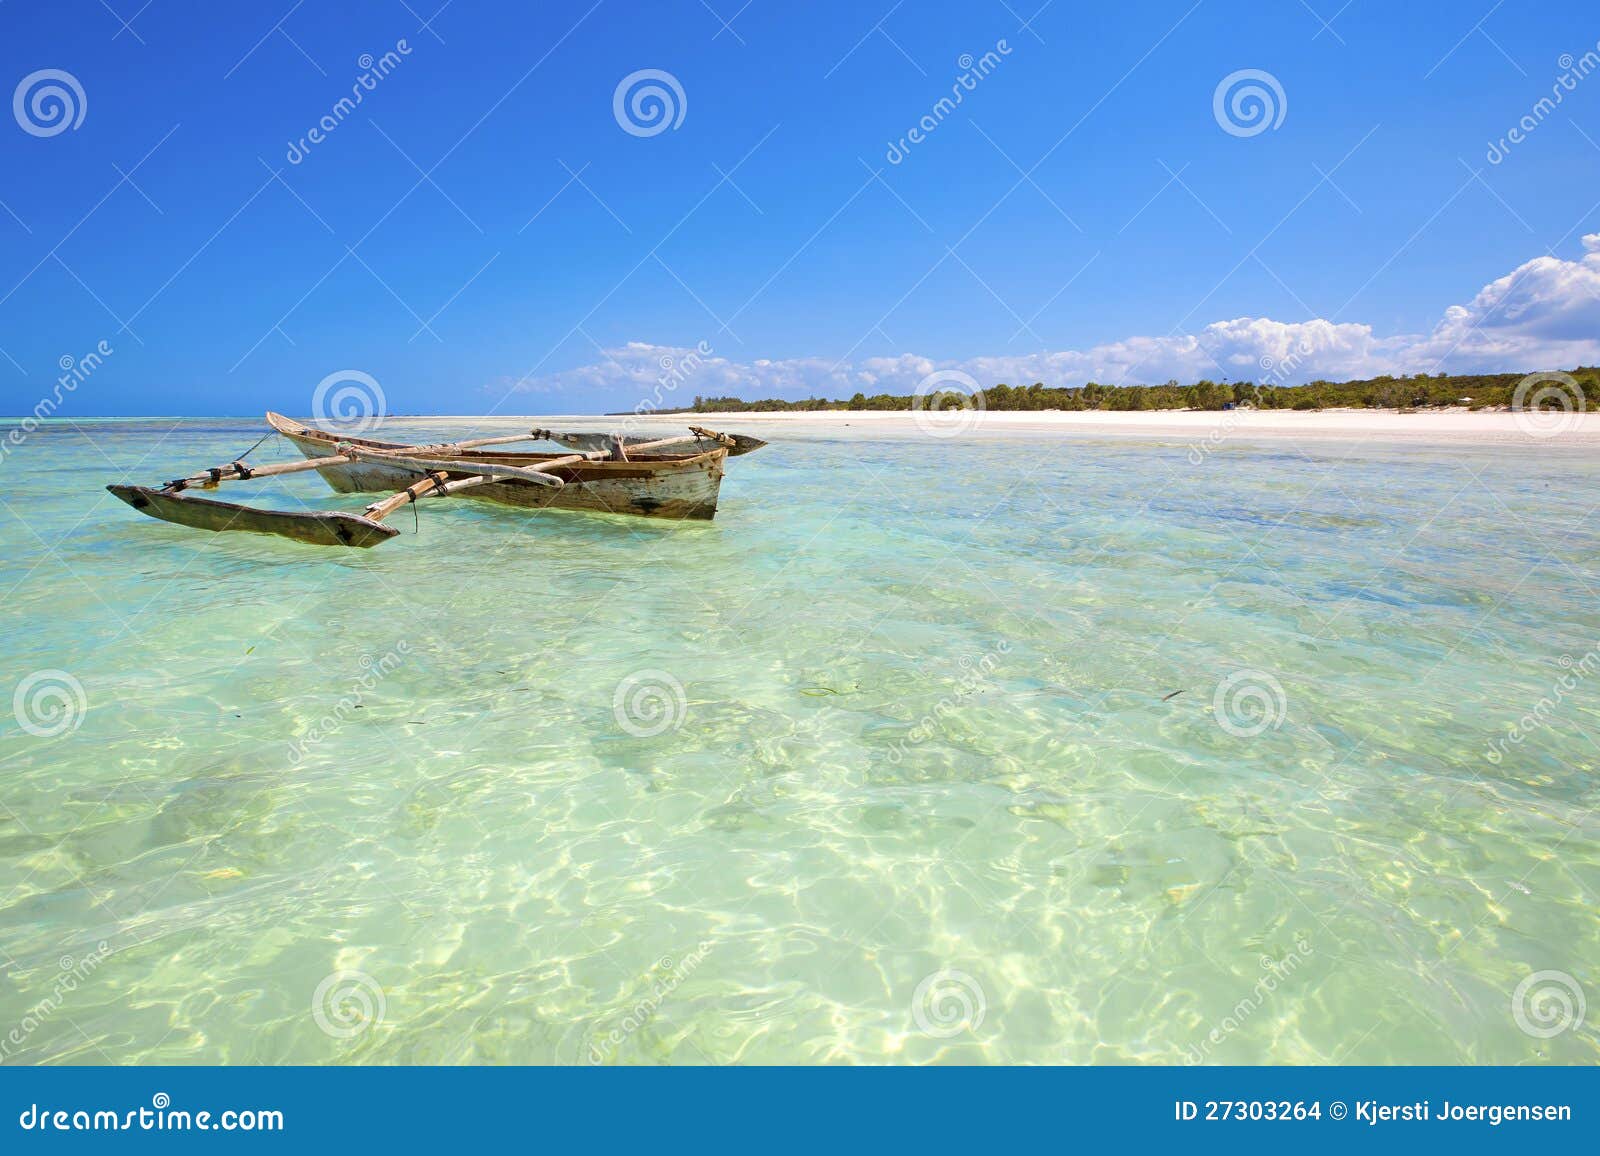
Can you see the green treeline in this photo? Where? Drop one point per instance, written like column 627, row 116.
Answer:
column 1384, row 392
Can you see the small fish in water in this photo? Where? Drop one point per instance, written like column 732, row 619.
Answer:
column 1173, row 695
column 819, row 691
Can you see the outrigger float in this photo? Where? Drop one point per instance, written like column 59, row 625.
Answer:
column 676, row 477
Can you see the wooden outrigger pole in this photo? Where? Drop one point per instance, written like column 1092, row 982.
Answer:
column 441, row 470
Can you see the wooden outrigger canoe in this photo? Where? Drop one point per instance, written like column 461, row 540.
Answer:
column 676, row 478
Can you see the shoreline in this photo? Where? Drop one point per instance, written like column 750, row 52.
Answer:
column 1455, row 424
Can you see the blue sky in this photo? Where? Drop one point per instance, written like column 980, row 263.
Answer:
column 482, row 234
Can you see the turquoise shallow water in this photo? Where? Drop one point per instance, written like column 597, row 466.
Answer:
column 878, row 766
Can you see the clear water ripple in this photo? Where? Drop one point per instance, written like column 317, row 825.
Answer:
column 917, row 725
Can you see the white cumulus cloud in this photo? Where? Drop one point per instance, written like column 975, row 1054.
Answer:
column 1545, row 314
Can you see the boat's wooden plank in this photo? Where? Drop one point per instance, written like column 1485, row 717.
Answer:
column 378, row 511
column 291, row 428
column 678, row 488
column 735, row 444
column 288, row 426
column 323, row 529
column 232, row 472
column 434, row 483
column 305, row 437
column 537, row 474
column 452, row 486
column 446, row 449
column 741, row 443
column 675, row 487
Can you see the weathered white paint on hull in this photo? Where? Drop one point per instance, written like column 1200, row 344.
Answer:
column 681, row 489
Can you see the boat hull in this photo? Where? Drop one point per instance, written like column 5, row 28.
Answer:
column 315, row 527
column 681, row 487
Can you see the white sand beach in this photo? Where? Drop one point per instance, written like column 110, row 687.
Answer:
column 1448, row 425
